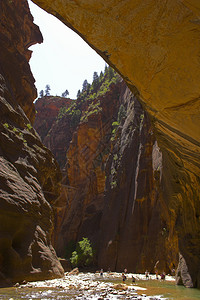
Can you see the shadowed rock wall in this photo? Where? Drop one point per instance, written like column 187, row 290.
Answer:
column 29, row 175
column 131, row 225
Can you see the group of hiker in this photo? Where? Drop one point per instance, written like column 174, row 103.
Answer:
column 133, row 279
column 124, row 277
column 162, row 275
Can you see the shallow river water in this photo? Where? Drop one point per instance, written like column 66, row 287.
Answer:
column 93, row 286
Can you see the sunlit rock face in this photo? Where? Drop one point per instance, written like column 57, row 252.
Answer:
column 29, row 175
column 156, row 49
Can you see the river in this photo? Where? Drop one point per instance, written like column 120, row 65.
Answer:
column 93, row 286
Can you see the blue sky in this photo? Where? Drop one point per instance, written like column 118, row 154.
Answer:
column 64, row 60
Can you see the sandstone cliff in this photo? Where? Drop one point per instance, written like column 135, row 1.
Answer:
column 112, row 181
column 29, row 175
column 79, row 136
column 79, row 211
column 155, row 47
column 55, row 135
column 113, row 197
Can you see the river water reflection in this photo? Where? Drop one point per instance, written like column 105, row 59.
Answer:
column 169, row 290
column 93, row 286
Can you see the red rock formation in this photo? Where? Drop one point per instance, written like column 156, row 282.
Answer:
column 29, row 175
column 47, row 109
column 80, row 207
column 111, row 189
column 56, row 134
column 113, row 193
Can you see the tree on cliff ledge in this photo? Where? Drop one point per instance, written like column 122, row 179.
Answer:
column 41, row 93
column 85, row 85
column 95, row 82
column 47, row 89
column 65, row 94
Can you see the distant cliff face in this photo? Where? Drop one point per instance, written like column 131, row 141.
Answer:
column 47, row 110
column 55, row 134
column 156, row 49
column 29, row 175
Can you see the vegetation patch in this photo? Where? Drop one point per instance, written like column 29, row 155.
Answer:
column 83, row 255
column 88, row 102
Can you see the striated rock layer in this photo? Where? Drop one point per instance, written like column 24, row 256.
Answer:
column 29, row 175
column 156, row 49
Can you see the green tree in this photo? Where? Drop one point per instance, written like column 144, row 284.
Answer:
column 106, row 68
column 75, row 118
column 41, row 93
column 110, row 73
column 88, row 88
column 65, row 94
column 85, row 85
column 95, row 80
column 78, row 94
column 101, row 75
column 83, row 256
column 47, row 90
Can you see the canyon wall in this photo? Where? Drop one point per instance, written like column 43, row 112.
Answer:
column 80, row 211
column 29, row 175
column 111, row 190
column 131, row 228
column 155, row 47
column 82, row 149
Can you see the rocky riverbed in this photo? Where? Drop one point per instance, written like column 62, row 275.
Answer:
column 85, row 286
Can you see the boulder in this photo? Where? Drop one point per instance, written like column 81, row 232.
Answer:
column 182, row 274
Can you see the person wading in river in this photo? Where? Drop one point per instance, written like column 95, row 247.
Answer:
column 123, row 277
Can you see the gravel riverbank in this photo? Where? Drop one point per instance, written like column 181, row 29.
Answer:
column 89, row 286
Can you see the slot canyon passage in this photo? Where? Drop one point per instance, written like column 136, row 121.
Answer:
column 134, row 193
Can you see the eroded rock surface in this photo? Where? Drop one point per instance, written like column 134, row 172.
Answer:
column 156, row 49
column 29, row 175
